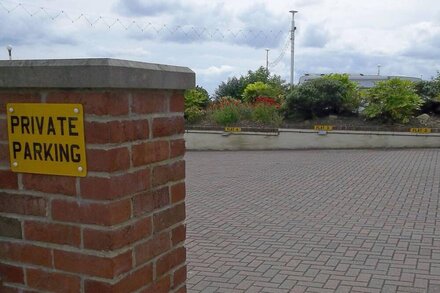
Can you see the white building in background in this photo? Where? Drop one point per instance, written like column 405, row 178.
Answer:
column 363, row 80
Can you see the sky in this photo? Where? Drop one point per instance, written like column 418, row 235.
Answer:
column 221, row 39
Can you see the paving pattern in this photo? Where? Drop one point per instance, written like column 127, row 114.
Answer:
column 314, row 221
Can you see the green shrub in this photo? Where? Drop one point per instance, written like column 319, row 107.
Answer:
column 228, row 111
column 316, row 98
column 257, row 89
column 227, row 115
column 351, row 100
column 194, row 114
column 429, row 91
column 196, row 100
column 266, row 114
column 246, row 112
column 392, row 100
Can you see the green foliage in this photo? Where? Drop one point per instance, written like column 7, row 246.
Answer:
column 229, row 111
column 234, row 87
column 392, row 100
column 227, row 115
column 246, row 112
column 267, row 115
column 316, row 98
column 196, row 100
column 278, row 86
column 194, row 114
column 351, row 100
column 197, row 96
column 257, row 89
column 261, row 74
column 429, row 91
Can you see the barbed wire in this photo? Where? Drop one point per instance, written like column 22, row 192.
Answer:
column 274, row 63
column 151, row 29
column 142, row 26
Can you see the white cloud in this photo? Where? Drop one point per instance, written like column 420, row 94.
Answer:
column 332, row 35
column 137, row 53
column 304, row 3
column 315, row 36
column 215, row 70
column 146, row 8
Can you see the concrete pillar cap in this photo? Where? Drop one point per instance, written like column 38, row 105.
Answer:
column 93, row 73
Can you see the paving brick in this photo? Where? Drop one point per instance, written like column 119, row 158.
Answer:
column 331, row 284
column 313, row 221
column 287, row 284
column 244, row 285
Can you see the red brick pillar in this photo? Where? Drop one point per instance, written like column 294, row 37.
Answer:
column 121, row 228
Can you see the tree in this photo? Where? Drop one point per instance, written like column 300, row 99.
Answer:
column 234, row 87
column 429, row 91
column 393, row 100
column 261, row 75
column 278, row 85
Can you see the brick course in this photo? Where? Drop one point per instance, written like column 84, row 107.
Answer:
column 12, row 274
column 53, row 282
column 23, row 204
column 121, row 228
column 50, row 184
column 52, row 233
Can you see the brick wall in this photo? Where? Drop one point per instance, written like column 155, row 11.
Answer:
column 121, row 228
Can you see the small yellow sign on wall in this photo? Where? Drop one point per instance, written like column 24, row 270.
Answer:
column 47, row 138
column 323, row 127
column 420, row 130
column 232, row 129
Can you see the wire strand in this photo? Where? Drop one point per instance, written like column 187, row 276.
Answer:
column 271, row 38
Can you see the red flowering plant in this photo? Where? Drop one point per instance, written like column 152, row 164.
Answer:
column 228, row 111
column 268, row 101
column 225, row 102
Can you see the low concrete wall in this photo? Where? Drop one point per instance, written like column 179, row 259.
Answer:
column 306, row 139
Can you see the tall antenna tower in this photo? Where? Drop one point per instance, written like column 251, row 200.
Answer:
column 292, row 47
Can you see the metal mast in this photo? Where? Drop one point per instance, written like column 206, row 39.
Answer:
column 292, row 47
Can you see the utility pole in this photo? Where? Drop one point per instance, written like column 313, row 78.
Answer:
column 267, row 60
column 292, row 47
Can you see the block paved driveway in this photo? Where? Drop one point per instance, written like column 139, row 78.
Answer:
column 313, row 221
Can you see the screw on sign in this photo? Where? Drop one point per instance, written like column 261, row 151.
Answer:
column 47, row 139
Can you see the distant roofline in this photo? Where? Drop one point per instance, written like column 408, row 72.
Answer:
column 363, row 80
column 361, row 75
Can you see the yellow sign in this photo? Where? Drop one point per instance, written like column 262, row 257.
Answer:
column 47, row 139
column 420, row 130
column 232, row 129
column 323, row 127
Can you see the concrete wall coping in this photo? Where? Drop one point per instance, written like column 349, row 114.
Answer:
column 289, row 140
column 93, row 73
column 311, row 131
